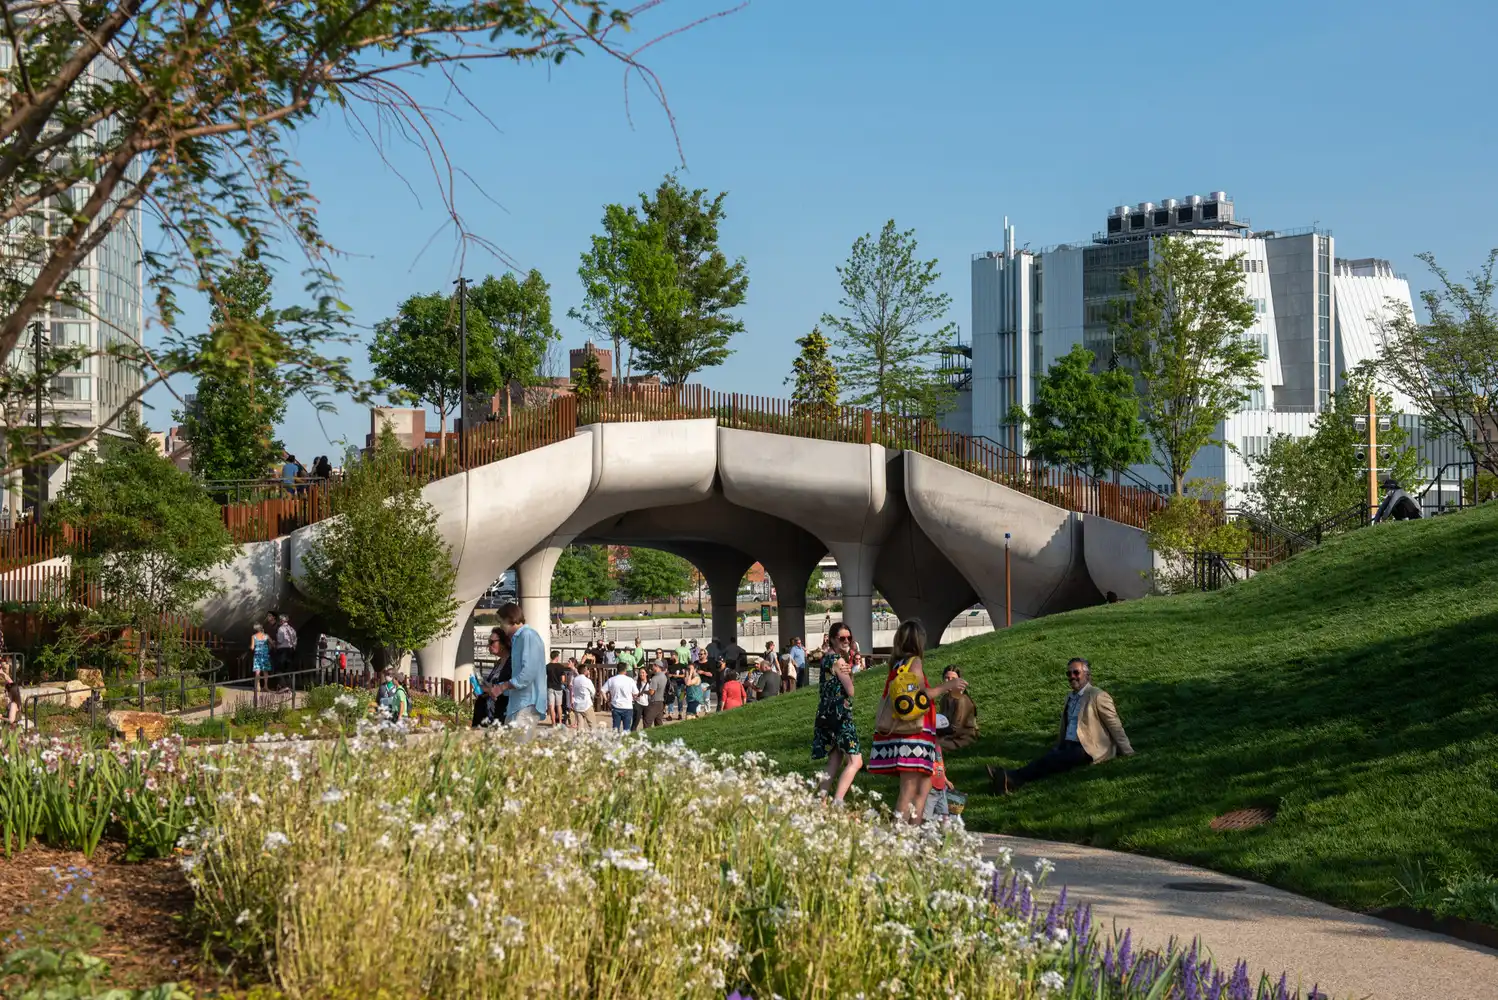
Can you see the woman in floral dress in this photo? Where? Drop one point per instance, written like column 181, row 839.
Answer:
column 833, row 734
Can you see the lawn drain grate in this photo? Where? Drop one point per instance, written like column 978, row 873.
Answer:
column 1203, row 887
column 1242, row 819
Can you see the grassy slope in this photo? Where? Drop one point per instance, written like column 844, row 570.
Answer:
column 1355, row 688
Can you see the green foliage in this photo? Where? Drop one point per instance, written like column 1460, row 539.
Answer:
column 883, row 353
column 655, row 575
column 1084, row 420
column 814, row 583
column 588, row 380
column 190, row 116
column 609, row 307
column 231, row 424
column 1460, row 892
column 519, row 314
column 684, row 284
column 418, row 351
column 1323, row 687
column 1449, row 365
column 582, row 575
column 381, row 569
column 153, row 538
column 1193, row 522
column 1181, row 330
column 814, row 375
column 1301, row 482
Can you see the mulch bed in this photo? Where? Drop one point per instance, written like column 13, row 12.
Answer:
column 142, row 914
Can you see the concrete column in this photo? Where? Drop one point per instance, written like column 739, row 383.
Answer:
column 855, row 562
column 790, row 576
column 440, row 658
column 535, row 572
column 723, row 568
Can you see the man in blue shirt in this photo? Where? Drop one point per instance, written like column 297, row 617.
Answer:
column 798, row 659
column 527, row 683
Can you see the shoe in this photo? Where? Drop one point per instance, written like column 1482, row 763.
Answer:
column 998, row 780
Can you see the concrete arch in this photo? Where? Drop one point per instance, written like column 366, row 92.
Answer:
column 930, row 535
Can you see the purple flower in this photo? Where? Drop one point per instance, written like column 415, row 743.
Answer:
column 1081, row 924
column 1108, row 960
column 736, row 995
column 1052, row 917
column 1190, row 981
column 1126, row 955
column 1282, row 991
column 1239, row 988
column 1316, row 994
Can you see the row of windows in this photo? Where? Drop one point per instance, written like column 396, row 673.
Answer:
column 1251, row 266
column 1255, row 445
column 1261, row 306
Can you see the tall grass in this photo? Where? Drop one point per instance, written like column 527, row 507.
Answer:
column 581, row 865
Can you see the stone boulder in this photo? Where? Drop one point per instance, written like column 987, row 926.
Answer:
column 65, row 694
column 93, row 678
column 131, row 725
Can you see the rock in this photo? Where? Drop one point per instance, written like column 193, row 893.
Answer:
column 78, row 693
column 130, row 725
column 93, row 678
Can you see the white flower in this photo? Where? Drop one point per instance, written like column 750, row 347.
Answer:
column 340, row 828
column 254, row 799
column 276, row 839
column 330, row 796
column 242, row 919
column 1052, row 981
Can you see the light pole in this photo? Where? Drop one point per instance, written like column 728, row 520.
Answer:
column 1008, row 593
column 462, row 284
column 1372, row 423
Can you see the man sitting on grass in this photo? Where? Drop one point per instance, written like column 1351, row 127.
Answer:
column 1090, row 733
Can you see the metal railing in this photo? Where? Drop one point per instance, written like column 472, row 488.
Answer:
column 99, row 701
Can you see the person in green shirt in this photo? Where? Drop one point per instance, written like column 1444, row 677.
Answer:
column 683, row 654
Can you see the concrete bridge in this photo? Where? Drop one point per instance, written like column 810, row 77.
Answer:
column 927, row 535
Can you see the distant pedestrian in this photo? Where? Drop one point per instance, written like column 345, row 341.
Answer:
column 798, row 657
column 642, row 697
column 620, row 691
column 733, row 692
column 583, row 693
column 655, row 708
column 556, row 688
column 259, row 656
column 285, row 645
column 527, row 684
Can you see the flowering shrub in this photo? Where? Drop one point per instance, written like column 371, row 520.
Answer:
column 70, row 795
column 583, row 865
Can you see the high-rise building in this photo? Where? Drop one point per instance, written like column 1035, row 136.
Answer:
column 109, row 284
column 1315, row 318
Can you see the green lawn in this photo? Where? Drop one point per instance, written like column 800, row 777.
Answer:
column 1354, row 688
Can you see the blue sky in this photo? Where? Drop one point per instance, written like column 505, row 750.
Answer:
column 823, row 118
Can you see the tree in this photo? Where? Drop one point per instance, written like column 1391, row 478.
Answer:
column 609, row 306
column 582, row 575
column 418, row 351
column 655, row 575
column 189, row 115
column 1181, row 328
column 1449, row 366
column 381, row 569
column 684, row 284
column 814, row 583
column 1084, row 420
column 151, row 537
column 1300, row 483
column 814, row 375
column 231, row 424
column 883, row 352
column 588, row 381
column 519, row 313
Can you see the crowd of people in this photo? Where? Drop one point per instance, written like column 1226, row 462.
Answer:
column 917, row 722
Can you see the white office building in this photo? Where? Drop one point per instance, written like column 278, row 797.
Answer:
column 110, row 283
column 1315, row 317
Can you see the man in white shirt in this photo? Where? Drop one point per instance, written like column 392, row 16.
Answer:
column 620, row 690
column 583, row 691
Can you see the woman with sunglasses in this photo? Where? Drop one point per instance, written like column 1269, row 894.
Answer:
column 490, row 707
column 833, row 734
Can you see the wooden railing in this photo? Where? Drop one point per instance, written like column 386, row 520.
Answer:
column 533, row 428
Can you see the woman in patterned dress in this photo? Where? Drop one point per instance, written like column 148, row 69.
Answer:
column 911, row 756
column 833, row 734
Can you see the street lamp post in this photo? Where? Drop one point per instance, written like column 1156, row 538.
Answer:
column 1008, row 593
column 462, row 284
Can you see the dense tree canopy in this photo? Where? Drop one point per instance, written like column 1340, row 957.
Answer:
column 1085, row 420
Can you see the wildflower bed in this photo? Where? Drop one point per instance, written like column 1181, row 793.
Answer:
column 584, row 865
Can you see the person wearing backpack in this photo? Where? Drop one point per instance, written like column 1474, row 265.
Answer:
column 905, row 726
column 391, row 697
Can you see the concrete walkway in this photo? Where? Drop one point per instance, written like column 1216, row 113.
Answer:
column 1346, row 954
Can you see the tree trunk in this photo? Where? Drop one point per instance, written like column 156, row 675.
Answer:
column 441, row 432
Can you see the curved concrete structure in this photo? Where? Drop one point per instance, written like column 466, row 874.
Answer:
column 928, row 536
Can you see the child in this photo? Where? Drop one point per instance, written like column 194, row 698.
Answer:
column 906, row 746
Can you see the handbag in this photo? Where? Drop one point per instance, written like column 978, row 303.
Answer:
column 905, row 702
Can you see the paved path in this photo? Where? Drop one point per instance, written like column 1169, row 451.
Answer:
column 1347, row 954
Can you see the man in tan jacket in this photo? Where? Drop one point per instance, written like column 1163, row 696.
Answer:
column 1090, row 733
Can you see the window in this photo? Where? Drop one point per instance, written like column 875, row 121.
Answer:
column 1261, row 306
